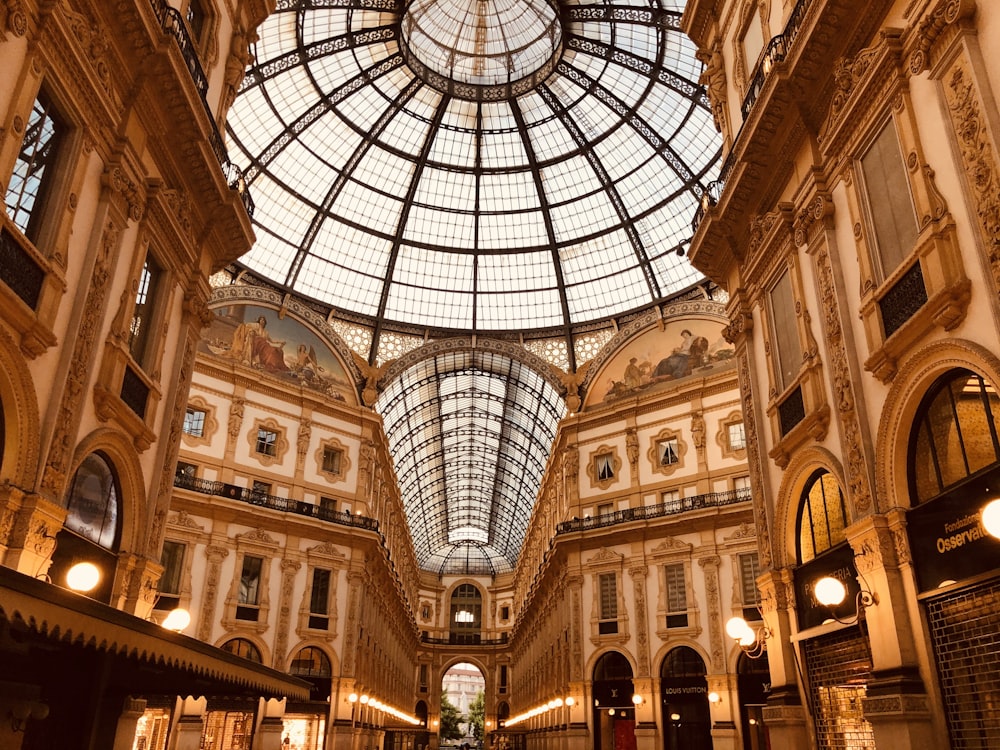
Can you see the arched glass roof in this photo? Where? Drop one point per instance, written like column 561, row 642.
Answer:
column 487, row 166
column 471, row 433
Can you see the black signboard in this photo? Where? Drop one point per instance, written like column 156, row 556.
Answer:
column 947, row 540
column 613, row 693
column 838, row 563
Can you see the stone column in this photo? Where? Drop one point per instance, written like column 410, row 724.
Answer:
column 206, row 615
column 132, row 711
column 32, row 540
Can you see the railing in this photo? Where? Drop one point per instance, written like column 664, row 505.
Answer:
column 264, row 500
column 776, row 51
column 173, row 23
column 644, row 512
column 456, row 639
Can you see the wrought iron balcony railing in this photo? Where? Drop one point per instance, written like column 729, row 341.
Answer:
column 264, row 500
column 645, row 512
column 173, row 23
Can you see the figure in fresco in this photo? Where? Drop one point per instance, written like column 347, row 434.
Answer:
column 690, row 353
column 252, row 345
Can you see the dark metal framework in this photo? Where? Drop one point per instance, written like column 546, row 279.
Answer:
column 402, row 188
column 470, row 432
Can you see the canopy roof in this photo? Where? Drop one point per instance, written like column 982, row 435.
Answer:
column 486, row 166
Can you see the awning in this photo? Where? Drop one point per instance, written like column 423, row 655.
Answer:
column 38, row 618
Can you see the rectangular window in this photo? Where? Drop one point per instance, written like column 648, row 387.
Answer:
column 889, row 200
column 319, row 600
column 194, row 422
column 749, row 570
column 260, row 490
column 608, row 590
column 605, row 509
column 753, row 44
column 31, row 181
column 503, row 678
column 742, row 486
column 785, row 346
column 195, row 17
column 172, row 559
column 142, row 316
column 672, row 500
column 676, row 596
column 737, row 437
column 248, row 600
column 505, row 612
column 331, row 460
column 327, row 507
column 267, row 442
column 186, row 470
column 667, row 450
column 423, row 678
column 604, row 467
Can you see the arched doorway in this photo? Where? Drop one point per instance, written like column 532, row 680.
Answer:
column 753, row 683
column 684, row 698
column 463, row 702
column 614, row 712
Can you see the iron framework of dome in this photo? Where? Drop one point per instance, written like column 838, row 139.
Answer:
column 486, row 166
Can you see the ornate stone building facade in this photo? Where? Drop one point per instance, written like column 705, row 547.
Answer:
column 852, row 226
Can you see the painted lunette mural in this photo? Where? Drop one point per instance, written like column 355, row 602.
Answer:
column 258, row 338
column 654, row 357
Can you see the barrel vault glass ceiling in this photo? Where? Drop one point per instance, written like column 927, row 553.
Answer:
column 486, row 166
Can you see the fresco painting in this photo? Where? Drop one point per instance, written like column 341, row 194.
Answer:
column 283, row 347
column 683, row 349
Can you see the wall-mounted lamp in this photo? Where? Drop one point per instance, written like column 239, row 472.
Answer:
column 831, row 593
column 570, row 701
column 636, row 699
column 352, row 698
column 751, row 641
column 22, row 710
column 83, row 577
column 176, row 620
column 990, row 517
column 714, row 697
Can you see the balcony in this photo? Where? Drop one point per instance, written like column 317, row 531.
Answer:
column 263, row 500
column 660, row 510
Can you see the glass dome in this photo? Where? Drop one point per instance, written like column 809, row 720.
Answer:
column 487, row 165
column 446, row 167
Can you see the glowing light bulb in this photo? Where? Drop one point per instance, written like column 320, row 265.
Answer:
column 829, row 591
column 83, row 576
column 177, row 619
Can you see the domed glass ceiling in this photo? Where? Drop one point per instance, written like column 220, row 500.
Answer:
column 474, row 164
column 467, row 166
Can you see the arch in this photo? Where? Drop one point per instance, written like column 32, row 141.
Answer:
column 323, row 646
column 687, row 717
column 19, row 403
column 666, row 647
column 121, row 453
column 821, row 519
column 243, row 647
column 613, row 665
column 600, row 654
column 913, row 379
column 793, row 483
column 311, row 661
column 93, row 501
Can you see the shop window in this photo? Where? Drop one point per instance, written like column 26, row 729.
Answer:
column 172, row 560
column 319, row 599
column 676, row 588
column 92, row 504
column 267, row 441
column 608, row 603
column 194, row 422
column 956, row 433
column 248, row 598
column 822, row 519
column 30, row 184
column 243, row 648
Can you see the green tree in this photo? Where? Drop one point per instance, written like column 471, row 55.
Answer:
column 451, row 719
column 477, row 715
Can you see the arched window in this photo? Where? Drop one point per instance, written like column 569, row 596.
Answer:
column 244, row 648
column 311, row 662
column 822, row 520
column 93, row 502
column 466, row 614
column 683, row 662
column 684, row 696
column 612, row 666
column 955, row 433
